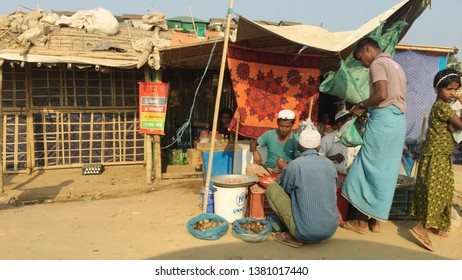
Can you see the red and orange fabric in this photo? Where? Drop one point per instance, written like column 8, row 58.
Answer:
column 268, row 82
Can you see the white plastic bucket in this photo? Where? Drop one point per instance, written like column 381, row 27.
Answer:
column 230, row 202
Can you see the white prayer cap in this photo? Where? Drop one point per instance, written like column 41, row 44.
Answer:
column 341, row 114
column 309, row 138
column 286, row 115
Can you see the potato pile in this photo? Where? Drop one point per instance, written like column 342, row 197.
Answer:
column 256, row 227
column 206, row 225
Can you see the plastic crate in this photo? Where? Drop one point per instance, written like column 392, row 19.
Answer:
column 259, row 207
column 402, row 204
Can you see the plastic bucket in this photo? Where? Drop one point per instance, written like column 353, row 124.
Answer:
column 230, row 202
column 210, row 203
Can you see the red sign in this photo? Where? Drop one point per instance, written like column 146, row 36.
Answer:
column 153, row 107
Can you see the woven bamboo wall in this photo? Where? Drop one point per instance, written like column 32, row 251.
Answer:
column 56, row 117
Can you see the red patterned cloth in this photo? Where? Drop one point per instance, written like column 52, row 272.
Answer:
column 268, row 82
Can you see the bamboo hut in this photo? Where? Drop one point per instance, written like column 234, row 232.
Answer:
column 70, row 92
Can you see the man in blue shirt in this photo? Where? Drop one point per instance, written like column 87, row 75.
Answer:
column 306, row 200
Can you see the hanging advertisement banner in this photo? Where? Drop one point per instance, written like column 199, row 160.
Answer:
column 153, row 107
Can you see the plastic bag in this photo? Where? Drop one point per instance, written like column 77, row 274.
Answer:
column 351, row 133
column 306, row 124
column 210, row 234
column 351, row 81
column 248, row 235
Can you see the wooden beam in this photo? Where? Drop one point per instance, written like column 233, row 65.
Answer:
column 1, row 128
column 157, row 152
column 217, row 107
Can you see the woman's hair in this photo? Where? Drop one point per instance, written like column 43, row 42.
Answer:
column 365, row 41
column 446, row 77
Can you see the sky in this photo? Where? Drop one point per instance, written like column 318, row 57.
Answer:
column 438, row 26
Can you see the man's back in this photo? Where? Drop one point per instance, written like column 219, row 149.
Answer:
column 310, row 182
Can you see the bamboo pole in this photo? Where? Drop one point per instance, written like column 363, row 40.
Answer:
column 148, row 142
column 29, row 122
column 311, row 108
column 157, row 152
column 193, row 23
column 1, row 128
column 217, row 107
column 238, row 120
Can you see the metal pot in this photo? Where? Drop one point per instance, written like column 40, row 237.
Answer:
column 234, row 180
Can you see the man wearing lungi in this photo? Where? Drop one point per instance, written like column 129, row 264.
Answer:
column 372, row 178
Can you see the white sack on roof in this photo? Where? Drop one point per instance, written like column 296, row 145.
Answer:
column 35, row 15
column 4, row 22
column 33, row 35
column 94, row 21
column 141, row 45
column 151, row 20
column 50, row 18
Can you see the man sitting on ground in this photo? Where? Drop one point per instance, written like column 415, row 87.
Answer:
column 306, row 200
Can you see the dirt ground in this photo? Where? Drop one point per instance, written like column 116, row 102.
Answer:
column 62, row 214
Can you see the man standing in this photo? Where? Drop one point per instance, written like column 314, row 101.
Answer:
column 306, row 200
column 371, row 180
column 281, row 144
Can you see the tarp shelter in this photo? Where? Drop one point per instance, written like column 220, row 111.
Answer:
column 331, row 46
column 306, row 39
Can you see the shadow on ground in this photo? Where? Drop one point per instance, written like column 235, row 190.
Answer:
column 338, row 249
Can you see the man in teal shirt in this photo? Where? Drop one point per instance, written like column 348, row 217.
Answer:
column 281, row 144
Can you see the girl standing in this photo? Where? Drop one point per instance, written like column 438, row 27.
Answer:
column 435, row 178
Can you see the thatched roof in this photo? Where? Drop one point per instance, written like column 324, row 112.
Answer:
column 46, row 42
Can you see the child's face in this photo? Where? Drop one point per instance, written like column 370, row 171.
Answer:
column 225, row 120
column 448, row 94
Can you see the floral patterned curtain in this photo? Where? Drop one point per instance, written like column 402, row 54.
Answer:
column 267, row 82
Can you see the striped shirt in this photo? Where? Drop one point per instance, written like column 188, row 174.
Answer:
column 310, row 182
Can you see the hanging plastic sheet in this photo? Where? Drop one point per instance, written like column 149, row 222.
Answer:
column 351, row 81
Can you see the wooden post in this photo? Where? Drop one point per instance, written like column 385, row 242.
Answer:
column 236, row 136
column 30, row 122
column 157, row 152
column 311, row 108
column 1, row 127
column 217, row 107
column 148, row 141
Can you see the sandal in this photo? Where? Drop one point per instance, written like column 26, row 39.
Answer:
column 281, row 238
column 354, row 226
column 424, row 240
